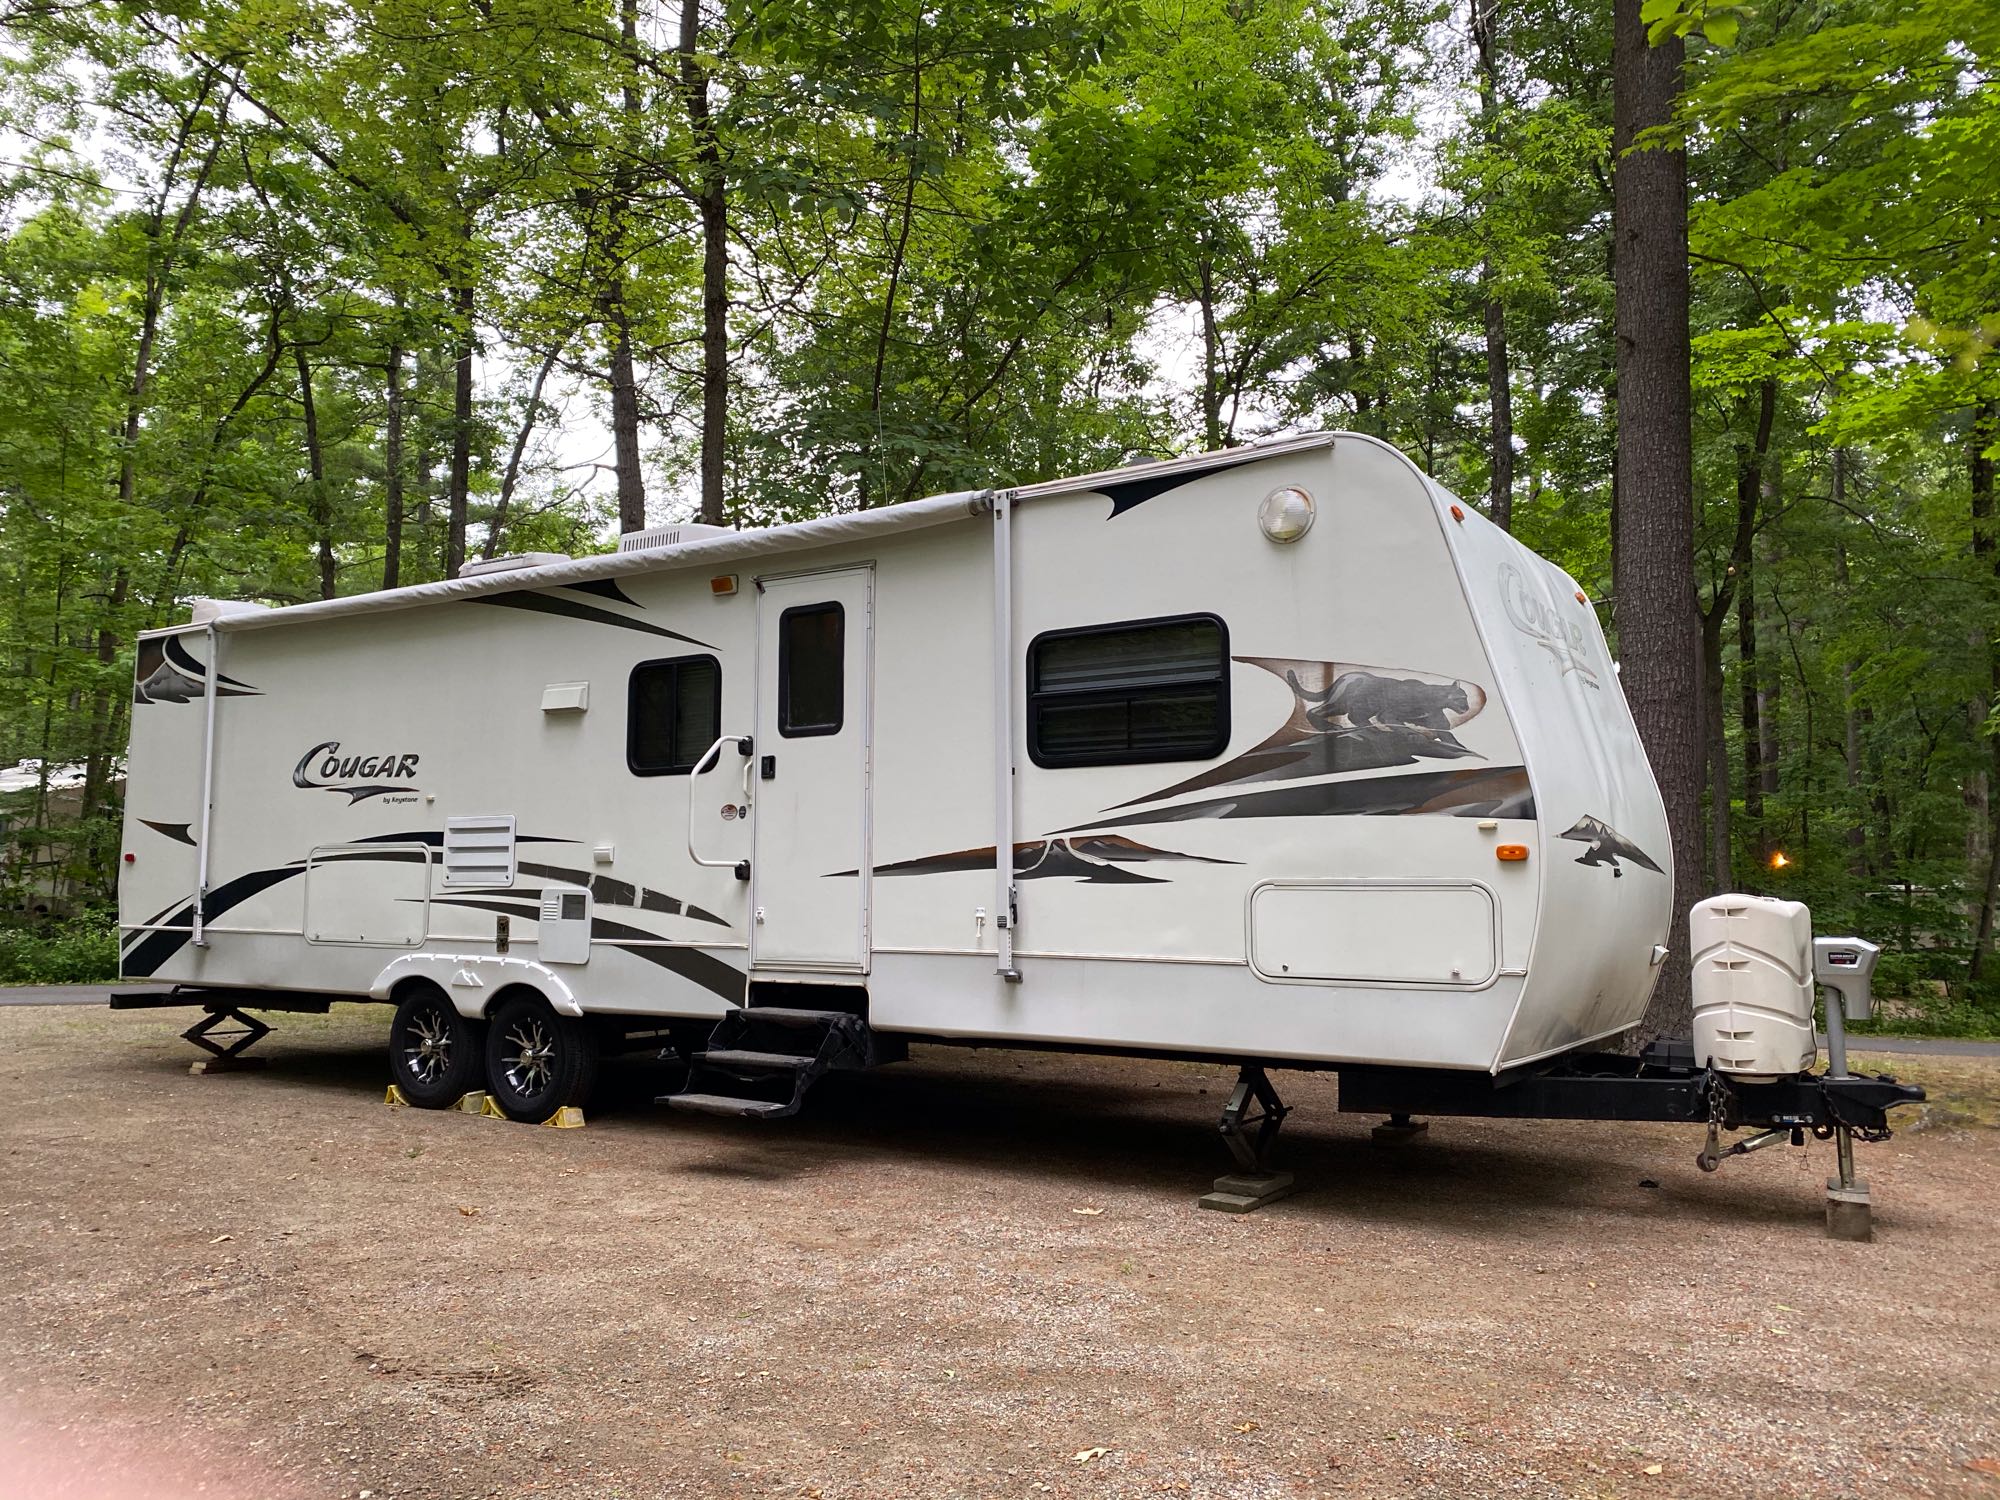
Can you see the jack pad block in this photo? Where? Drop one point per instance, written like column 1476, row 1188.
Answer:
column 1242, row 1192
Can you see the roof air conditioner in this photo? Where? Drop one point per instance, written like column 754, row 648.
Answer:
column 510, row 562
column 669, row 536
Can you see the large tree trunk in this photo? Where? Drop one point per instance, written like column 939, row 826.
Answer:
column 1499, row 375
column 461, row 430
column 321, row 503
column 392, row 470
column 1659, row 633
column 712, row 206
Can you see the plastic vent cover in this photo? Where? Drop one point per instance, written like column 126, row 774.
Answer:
column 479, row 851
column 564, row 934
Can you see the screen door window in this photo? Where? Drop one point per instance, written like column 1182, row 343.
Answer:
column 812, row 689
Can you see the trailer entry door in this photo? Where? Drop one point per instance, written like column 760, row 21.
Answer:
column 809, row 872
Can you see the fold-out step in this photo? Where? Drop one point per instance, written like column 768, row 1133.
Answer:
column 729, row 1104
column 756, row 1062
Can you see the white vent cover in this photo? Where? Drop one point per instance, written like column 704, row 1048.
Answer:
column 510, row 562
column 563, row 936
column 479, row 851
column 669, row 536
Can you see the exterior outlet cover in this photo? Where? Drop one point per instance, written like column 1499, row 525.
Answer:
column 566, row 698
column 563, row 934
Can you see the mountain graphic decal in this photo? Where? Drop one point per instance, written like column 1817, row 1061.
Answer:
column 1607, row 846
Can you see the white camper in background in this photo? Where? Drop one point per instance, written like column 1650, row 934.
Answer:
column 1276, row 753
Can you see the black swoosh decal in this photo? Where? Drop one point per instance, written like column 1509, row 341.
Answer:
column 1499, row 792
column 178, row 832
column 1129, row 494
column 604, row 588
column 692, row 964
column 576, row 610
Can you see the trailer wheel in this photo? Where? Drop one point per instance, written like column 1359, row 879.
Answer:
column 434, row 1052
column 536, row 1060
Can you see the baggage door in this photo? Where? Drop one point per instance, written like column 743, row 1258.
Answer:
column 809, row 872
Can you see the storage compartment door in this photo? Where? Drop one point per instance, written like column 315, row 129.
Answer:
column 1436, row 935
column 372, row 895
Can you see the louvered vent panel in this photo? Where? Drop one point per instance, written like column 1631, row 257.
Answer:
column 479, row 851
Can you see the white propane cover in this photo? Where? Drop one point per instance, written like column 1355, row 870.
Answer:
column 1753, row 986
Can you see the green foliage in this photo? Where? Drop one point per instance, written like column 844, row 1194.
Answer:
column 80, row 950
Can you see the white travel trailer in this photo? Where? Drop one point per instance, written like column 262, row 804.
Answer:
column 1295, row 758
column 1276, row 755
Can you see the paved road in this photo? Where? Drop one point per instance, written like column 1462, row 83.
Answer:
column 73, row 994
column 100, row 994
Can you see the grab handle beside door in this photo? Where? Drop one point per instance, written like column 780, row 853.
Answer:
column 743, row 745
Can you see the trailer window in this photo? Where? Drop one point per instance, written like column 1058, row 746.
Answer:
column 1147, row 690
column 673, row 714
column 812, row 690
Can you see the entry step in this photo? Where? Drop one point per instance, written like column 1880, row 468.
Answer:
column 779, row 1015
column 757, row 1062
column 728, row 1104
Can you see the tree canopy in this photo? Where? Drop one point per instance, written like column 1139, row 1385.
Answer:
column 302, row 298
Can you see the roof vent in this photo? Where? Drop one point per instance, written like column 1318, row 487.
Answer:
column 510, row 562
column 669, row 536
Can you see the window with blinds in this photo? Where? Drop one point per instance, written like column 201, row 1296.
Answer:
column 1146, row 690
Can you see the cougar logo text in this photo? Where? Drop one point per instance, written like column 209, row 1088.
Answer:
column 324, row 769
column 1530, row 615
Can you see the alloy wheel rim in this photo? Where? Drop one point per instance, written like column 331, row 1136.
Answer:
column 530, row 1054
column 428, row 1055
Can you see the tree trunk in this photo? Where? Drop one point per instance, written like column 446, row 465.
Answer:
column 496, row 532
column 624, row 381
column 1986, row 547
column 1752, row 705
column 1211, row 357
column 1499, row 377
column 461, row 431
column 392, row 470
column 712, row 205
column 624, row 409
column 321, row 503
column 1658, row 619
column 1716, row 732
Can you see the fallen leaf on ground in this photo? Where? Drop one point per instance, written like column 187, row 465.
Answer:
column 1086, row 1210
column 1984, row 1465
column 1088, row 1454
column 1246, row 1426
column 468, row 1210
column 1652, row 1469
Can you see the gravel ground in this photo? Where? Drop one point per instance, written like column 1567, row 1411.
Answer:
column 978, row 1273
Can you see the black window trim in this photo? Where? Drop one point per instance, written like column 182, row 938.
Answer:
column 806, row 732
column 1036, row 696
column 631, row 707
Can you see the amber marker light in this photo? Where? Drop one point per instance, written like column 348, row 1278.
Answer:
column 722, row 585
column 1511, row 853
column 1458, row 515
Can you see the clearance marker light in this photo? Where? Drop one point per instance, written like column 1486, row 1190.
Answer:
column 1511, row 853
column 722, row 585
column 1458, row 515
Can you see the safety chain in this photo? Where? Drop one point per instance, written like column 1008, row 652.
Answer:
column 1710, row 1156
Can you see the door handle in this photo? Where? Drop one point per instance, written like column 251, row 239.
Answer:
column 769, row 768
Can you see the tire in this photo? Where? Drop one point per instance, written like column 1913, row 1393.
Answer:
column 536, row 1060
column 435, row 1054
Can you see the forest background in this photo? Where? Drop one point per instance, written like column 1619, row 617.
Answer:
column 310, row 297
